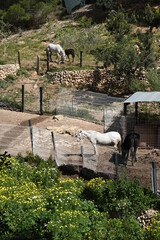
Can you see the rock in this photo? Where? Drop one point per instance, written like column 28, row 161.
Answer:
column 58, row 117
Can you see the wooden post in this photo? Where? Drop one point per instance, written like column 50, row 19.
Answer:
column 82, row 154
column 31, row 134
column 19, row 59
column 38, row 64
column 116, row 163
column 81, row 53
column 136, row 111
column 47, row 52
column 55, row 150
column 154, row 170
column 22, row 98
column 41, row 101
column 125, row 109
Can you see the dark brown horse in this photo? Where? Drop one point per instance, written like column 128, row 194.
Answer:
column 71, row 52
column 130, row 143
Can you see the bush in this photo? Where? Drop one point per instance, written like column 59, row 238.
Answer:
column 153, row 78
column 120, row 197
column 36, row 203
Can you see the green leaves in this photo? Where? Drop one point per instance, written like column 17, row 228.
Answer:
column 36, row 203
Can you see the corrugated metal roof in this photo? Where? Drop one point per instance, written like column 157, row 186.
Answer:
column 144, row 97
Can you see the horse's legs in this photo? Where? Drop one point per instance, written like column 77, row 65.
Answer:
column 125, row 154
column 134, row 158
column 72, row 58
column 58, row 57
column 95, row 149
column 133, row 154
column 94, row 145
column 115, row 146
column 68, row 57
column 50, row 55
column 126, row 158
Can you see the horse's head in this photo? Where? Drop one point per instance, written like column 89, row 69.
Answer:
column 79, row 135
column 63, row 56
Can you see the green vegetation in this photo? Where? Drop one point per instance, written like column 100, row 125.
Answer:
column 35, row 202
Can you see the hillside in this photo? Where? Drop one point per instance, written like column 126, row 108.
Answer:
column 70, row 31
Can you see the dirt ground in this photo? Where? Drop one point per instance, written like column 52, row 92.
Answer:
column 104, row 162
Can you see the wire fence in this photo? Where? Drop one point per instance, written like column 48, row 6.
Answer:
column 66, row 151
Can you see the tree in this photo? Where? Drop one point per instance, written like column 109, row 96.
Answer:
column 17, row 15
column 152, row 17
column 117, row 23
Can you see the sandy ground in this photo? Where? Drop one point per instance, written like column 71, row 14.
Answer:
column 69, row 150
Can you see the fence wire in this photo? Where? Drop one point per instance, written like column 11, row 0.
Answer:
column 17, row 139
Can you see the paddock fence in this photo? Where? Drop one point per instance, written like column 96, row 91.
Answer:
column 66, row 151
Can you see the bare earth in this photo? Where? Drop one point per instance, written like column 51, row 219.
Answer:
column 66, row 142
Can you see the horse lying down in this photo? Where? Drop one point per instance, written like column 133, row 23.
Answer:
column 101, row 138
column 130, row 144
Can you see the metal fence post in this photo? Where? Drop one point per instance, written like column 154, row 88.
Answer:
column 81, row 53
column 82, row 154
column 116, row 163
column 41, row 101
column 47, row 52
column 154, row 177
column 22, row 98
column 31, row 134
column 38, row 64
column 19, row 59
column 55, row 150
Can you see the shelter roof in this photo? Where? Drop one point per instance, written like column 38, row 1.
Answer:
column 143, row 97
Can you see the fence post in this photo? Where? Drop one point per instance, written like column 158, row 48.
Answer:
column 47, row 52
column 116, row 163
column 55, row 150
column 154, row 170
column 19, row 59
column 38, row 64
column 31, row 134
column 81, row 53
column 41, row 101
column 22, row 98
column 82, row 154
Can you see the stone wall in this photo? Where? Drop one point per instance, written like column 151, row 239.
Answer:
column 99, row 79
column 7, row 70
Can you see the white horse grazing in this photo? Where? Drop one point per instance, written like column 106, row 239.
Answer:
column 57, row 49
column 101, row 138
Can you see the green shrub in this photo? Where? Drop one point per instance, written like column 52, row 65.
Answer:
column 36, row 204
column 153, row 231
column 120, row 197
column 124, row 229
column 137, row 85
column 153, row 78
column 10, row 78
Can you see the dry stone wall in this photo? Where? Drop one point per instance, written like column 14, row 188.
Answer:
column 7, row 70
column 81, row 77
column 99, row 79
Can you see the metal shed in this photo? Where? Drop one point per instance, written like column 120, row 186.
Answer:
column 150, row 131
column 141, row 97
column 71, row 4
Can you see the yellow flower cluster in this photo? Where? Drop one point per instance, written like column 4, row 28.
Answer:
column 96, row 183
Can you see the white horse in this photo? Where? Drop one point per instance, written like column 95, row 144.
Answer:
column 57, row 49
column 101, row 138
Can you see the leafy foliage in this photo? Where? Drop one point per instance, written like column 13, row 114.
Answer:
column 26, row 13
column 36, row 203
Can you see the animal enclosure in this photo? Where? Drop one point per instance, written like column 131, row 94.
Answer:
column 17, row 139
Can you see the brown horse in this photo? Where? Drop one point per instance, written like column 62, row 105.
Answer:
column 71, row 52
